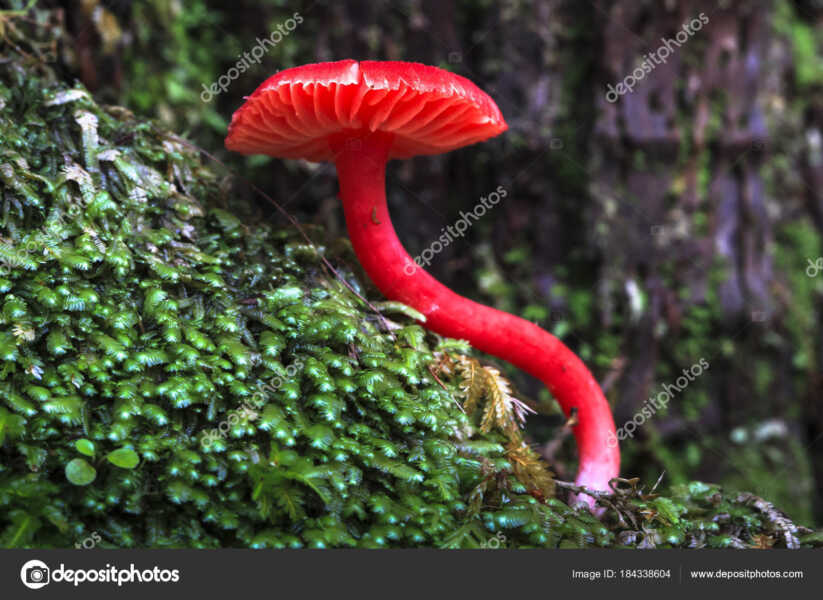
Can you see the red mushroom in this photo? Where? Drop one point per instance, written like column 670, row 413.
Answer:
column 361, row 115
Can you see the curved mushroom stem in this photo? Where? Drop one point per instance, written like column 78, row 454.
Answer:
column 361, row 169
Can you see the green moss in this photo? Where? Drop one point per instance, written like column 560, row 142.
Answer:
column 798, row 255
column 804, row 42
column 173, row 376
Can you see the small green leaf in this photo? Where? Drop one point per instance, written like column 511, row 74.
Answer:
column 125, row 458
column 79, row 472
column 84, row 446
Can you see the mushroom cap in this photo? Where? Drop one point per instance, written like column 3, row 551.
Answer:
column 298, row 111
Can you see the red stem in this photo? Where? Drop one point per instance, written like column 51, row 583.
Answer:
column 361, row 168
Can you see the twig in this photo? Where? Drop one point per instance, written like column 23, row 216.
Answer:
column 582, row 489
column 551, row 447
column 602, row 498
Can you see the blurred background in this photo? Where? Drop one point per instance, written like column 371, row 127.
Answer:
column 650, row 229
